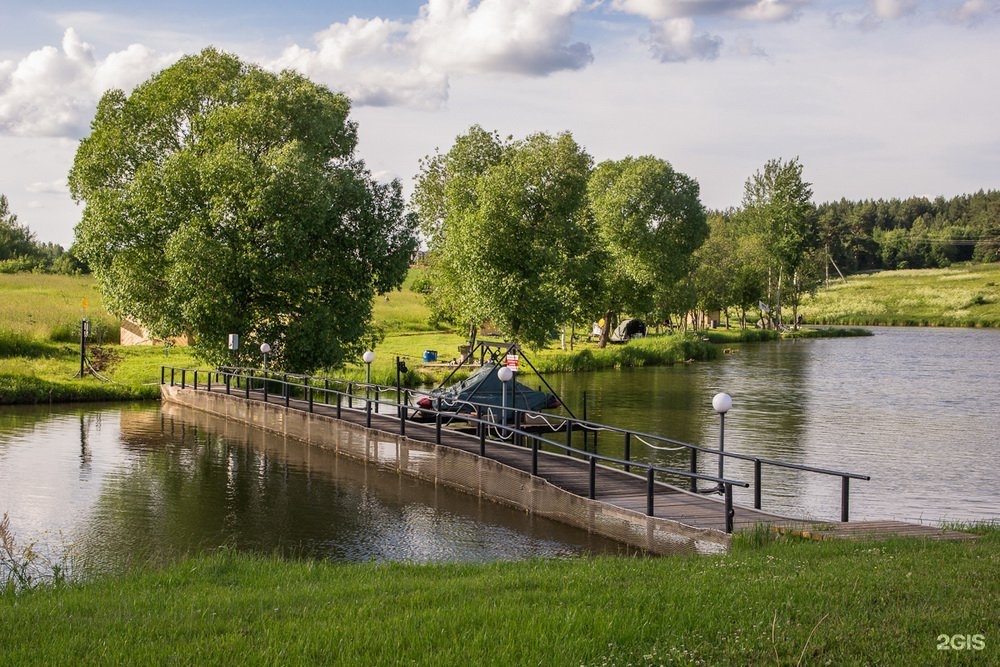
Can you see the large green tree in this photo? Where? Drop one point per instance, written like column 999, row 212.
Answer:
column 777, row 206
column 221, row 198
column 508, row 231
column 650, row 221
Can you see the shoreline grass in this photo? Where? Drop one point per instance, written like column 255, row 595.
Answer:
column 783, row 601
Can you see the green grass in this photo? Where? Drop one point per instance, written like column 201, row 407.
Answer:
column 779, row 601
column 960, row 296
column 50, row 307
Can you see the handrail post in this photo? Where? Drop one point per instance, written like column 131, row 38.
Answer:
column 265, row 387
column 229, row 382
column 248, row 383
column 593, row 477
column 693, row 481
column 183, row 378
column 437, row 428
column 628, row 449
column 326, row 391
column 350, row 395
column 162, row 373
column 402, row 413
column 730, row 512
column 287, row 389
column 845, row 494
column 172, row 376
column 196, row 379
column 650, row 489
column 482, row 431
column 310, row 390
column 340, row 398
column 208, row 385
column 569, row 436
column 368, row 413
column 756, row 484
column 534, row 456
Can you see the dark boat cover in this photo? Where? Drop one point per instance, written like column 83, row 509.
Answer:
column 484, row 387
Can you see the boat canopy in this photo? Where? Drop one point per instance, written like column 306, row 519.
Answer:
column 485, row 388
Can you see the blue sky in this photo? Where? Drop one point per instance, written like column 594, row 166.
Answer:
column 878, row 98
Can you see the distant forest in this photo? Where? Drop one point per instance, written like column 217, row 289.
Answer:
column 913, row 233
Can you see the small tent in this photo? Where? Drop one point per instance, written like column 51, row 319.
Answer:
column 628, row 329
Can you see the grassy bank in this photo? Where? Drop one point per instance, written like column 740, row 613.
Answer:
column 39, row 354
column 960, row 296
column 783, row 602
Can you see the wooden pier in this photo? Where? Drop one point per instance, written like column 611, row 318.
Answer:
column 634, row 495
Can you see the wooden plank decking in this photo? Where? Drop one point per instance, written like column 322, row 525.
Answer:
column 616, row 487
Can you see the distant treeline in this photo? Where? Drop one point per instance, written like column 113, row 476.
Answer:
column 913, row 233
column 20, row 251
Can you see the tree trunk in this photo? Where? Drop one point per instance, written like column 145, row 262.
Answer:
column 605, row 331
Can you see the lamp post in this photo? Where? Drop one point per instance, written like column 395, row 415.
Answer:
column 368, row 357
column 504, row 374
column 722, row 403
column 265, row 349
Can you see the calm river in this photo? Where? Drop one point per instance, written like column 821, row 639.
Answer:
column 916, row 409
column 135, row 484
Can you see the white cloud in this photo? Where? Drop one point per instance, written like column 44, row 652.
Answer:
column 380, row 62
column 675, row 41
column 58, row 186
column 370, row 60
column 974, row 11
column 528, row 37
column 893, row 9
column 52, row 91
column 754, row 10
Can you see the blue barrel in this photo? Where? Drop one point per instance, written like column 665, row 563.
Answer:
column 430, row 356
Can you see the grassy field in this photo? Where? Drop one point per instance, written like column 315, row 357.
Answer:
column 767, row 602
column 960, row 296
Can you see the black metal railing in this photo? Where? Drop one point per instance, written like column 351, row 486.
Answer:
column 374, row 398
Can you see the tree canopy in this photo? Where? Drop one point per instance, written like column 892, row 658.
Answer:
column 651, row 220
column 221, row 198
column 508, row 230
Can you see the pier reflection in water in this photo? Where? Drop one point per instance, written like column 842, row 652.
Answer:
column 133, row 485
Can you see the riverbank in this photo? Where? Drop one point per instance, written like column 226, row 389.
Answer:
column 959, row 296
column 771, row 600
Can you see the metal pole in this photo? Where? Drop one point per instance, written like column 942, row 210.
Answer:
column 650, row 488
column 756, row 484
column 437, row 428
column 593, row 477
column 83, row 345
column 628, row 450
column 585, row 419
column 845, row 497
column 729, row 508
column 183, row 378
column 162, row 372
column 722, row 445
column 534, row 456
column 693, row 481
column 196, row 379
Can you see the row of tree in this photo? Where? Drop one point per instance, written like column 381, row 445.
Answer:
column 529, row 235
column 911, row 233
column 21, row 251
